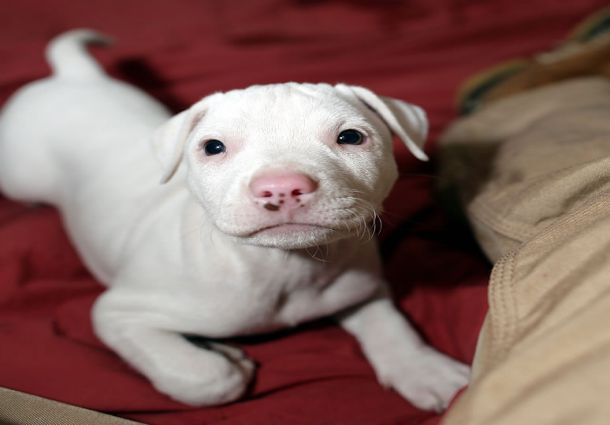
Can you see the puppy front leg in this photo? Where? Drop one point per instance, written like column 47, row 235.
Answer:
column 401, row 360
column 146, row 338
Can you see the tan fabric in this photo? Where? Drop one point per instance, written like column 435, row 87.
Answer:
column 533, row 172
column 18, row 408
column 522, row 162
column 571, row 60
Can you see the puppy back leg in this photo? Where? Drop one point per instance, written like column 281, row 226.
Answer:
column 31, row 119
column 144, row 337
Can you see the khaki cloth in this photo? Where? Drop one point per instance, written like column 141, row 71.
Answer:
column 19, row 408
column 533, row 173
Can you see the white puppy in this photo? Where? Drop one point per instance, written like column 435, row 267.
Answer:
column 258, row 226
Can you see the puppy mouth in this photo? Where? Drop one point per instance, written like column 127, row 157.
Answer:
column 290, row 235
column 288, row 228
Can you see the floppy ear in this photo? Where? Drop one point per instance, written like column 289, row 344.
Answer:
column 405, row 120
column 168, row 141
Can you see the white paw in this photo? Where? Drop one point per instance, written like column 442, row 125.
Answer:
column 429, row 379
column 211, row 378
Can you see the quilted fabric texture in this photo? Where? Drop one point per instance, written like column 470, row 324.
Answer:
column 179, row 51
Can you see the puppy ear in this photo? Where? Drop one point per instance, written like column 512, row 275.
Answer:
column 405, row 120
column 168, row 141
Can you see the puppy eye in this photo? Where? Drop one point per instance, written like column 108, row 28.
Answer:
column 350, row 137
column 213, row 147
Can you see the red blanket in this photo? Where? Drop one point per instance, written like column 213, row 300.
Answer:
column 418, row 50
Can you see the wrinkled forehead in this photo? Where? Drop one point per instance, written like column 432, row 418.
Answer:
column 278, row 106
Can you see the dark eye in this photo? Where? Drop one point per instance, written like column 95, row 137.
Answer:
column 350, row 137
column 213, row 147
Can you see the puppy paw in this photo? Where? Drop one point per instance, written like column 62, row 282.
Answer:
column 214, row 377
column 429, row 379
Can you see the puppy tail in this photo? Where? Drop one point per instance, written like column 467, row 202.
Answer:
column 68, row 56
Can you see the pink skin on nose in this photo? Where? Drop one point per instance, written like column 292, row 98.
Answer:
column 277, row 190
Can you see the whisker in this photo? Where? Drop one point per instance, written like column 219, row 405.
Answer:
column 314, row 256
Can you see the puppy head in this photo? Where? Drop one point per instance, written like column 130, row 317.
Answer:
column 290, row 165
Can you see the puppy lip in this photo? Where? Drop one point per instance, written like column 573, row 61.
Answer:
column 289, row 227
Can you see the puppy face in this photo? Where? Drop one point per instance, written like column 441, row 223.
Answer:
column 288, row 165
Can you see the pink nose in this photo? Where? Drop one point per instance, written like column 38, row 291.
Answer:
column 282, row 187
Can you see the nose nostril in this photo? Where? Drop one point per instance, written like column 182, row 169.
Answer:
column 282, row 185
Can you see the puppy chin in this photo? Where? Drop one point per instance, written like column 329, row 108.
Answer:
column 293, row 236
